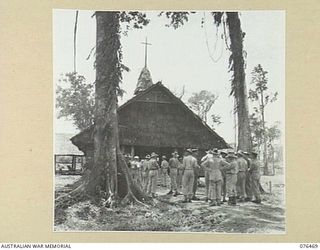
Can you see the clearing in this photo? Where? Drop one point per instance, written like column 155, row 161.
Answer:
column 169, row 214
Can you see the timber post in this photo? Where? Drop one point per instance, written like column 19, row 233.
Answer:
column 73, row 164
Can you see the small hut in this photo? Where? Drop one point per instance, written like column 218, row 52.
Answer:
column 155, row 120
column 66, row 156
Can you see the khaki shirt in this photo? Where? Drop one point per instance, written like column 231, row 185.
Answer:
column 189, row 162
column 212, row 165
column 164, row 164
column 233, row 167
column 174, row 163
column 224, row 165
column 180, row 167
column 145, row 166
column 242, row 165
column 135, row 165
column 206, row 157
column 153, row 164
column 196, row 170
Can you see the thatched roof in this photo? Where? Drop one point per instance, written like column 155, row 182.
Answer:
column 63, row 145
column 157, row 118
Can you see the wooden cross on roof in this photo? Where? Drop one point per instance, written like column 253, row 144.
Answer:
column 146, row 51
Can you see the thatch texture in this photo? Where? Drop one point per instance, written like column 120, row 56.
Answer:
column 144, row 81
column 62, row 145
column 155, row 118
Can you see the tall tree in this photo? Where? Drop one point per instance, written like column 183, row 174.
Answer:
column 234, row 36
column 108, row 178
column 108, row 76
column 202, row 102
column 273, row 133
column 260, row 94
column 75, row 42
column 238, row 86
column 236, row 66
column 256, row 130
column 109, row 165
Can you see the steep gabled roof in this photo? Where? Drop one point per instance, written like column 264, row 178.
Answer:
column 87, row 133
column 177, row 100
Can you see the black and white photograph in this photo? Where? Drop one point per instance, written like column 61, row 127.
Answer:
column 169, row 121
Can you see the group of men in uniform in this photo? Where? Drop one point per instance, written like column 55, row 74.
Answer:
column 146, row 173
column 235, row 175
column 227, row 174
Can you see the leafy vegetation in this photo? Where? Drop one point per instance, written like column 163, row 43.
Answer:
column 260, row 96
column 202, row 102
column 75, row 100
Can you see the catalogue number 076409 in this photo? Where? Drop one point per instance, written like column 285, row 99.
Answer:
column 305, row 245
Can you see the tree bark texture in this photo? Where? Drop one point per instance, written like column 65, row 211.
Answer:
column 238, row 81
column 103, row 176
column 110, row 174
column 108, row 178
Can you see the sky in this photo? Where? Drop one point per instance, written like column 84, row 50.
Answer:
column 193, row 56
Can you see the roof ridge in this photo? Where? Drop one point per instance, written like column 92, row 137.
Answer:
column 194, row 114
column 140, row 94
column 175, row 98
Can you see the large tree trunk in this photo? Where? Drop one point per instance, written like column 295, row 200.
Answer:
column 239, row 84
column 103, row 176
column 108, row 179
column 110, row 173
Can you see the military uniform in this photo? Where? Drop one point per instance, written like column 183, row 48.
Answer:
column 180, row 174
column 196, row 171
column 231, row 179
column 223, row 154
column 173, row 166
column 241, row 177
column 212, row 166
column 144, row 174
column 189, row 164
column 255, row 179
column 153, row 176
column 206, row 175
column 164, row 172
column 135, row 172
column 224, row 185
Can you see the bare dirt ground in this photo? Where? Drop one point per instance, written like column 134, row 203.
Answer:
column 169, row 214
